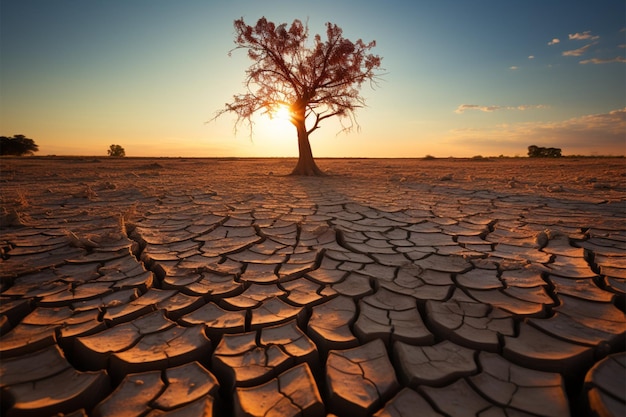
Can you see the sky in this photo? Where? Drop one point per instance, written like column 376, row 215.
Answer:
column 461, row 78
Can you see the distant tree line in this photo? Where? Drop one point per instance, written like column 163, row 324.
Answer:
column 541, row 152
column 17, row 145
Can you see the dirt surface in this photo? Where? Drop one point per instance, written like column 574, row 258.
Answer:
column 459, row 287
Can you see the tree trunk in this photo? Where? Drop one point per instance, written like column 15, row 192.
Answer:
column 306, row 165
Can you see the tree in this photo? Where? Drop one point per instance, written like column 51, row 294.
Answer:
column 533, row 151
column 540, row 152
column 116, row 151
column 315, row 82
column 17, row 145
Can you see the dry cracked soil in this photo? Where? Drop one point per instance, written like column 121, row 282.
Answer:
column 224, row 287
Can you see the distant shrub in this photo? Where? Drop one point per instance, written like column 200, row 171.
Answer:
column 540, row 152
column 429, row 157
column 17, row 145
column 116, row 151
column 482, row 158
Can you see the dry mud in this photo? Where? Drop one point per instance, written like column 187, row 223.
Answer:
column 193, row 287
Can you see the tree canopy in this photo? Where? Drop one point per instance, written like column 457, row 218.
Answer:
column 116, row 151
column 315, row 80
column 541, row 152
column 17, row 145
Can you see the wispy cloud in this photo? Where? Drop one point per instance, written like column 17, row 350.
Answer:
column 583, row 36
column 613, row 122
column 514, row 67
column 531, row 57
column 603, row 61
column 589, row 134
column 464, row 107
column 554, row 41
column 578, row 52
column 488, row 109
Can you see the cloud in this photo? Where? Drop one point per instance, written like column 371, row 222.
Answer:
column 488, row 109
column 527, row 107
column 591, row 134
column 613, row 121
column 579, row 51
column 582, row 36
column 554, row 41
column 603, row 61
column 513, row 68
column 463, row 107
column 531, row 57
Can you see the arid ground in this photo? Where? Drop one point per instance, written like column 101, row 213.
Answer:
column 390, row 287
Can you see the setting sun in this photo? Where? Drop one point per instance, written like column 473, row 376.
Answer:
column 274, row 134
column 278, row 125
column 281, row 113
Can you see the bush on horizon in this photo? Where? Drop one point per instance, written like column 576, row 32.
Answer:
column 18, row 145
column 116, row 151
column 541, row 152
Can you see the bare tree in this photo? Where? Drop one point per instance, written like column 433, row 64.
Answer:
column 315, row 81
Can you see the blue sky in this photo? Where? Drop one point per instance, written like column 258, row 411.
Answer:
column 462, row 78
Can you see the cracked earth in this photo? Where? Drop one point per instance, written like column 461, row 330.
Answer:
column 174, row 287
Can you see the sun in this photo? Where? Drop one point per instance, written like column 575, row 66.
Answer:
column 275, row 131
column 280, row 118
column 281, row 113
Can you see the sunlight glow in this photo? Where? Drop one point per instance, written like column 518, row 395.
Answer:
column 282, row 113
column 274, row 134
column 280, row 120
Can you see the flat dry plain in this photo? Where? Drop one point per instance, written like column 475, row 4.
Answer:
column 390, row 287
